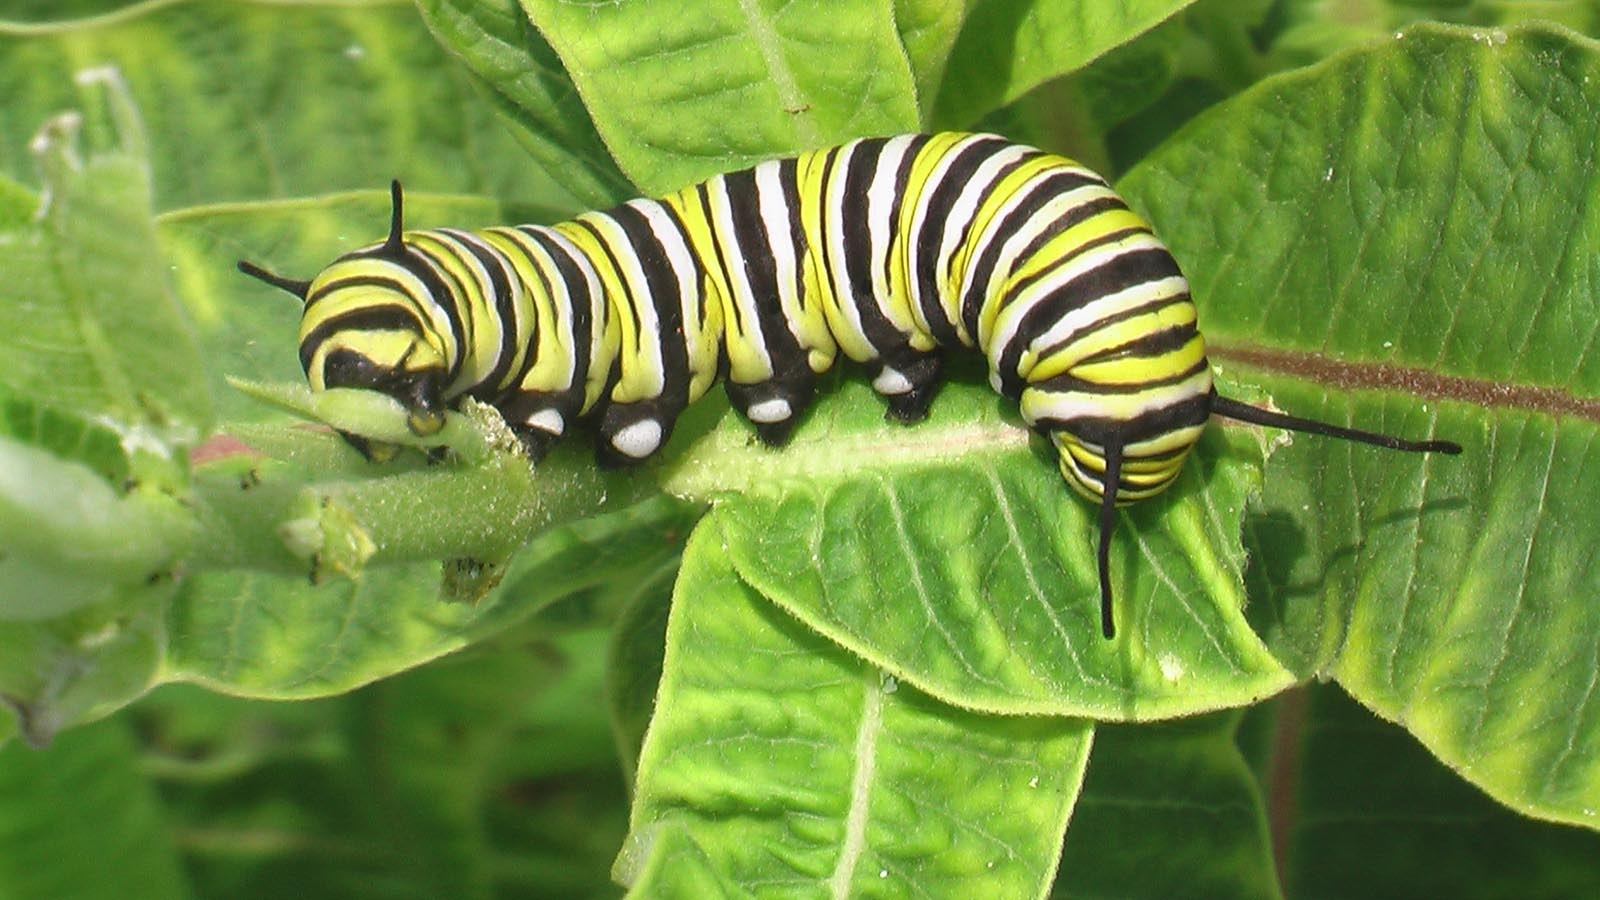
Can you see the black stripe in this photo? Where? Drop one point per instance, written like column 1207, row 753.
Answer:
column 1148, row 345
column 500, row 295
column 940, row 201
column 861, row 169
column 1132, row 268
column 1102, row 430
column 661, row 285
column 1050, row 269
column 371, row 317
column 417, row 262
column 702, row 298
column 570, row 275
column 761, row 270
column 1066, row 382
column 1040, row 191
column 729, row 277
column 616, row 268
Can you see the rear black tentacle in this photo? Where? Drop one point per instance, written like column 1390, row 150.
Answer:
column 1244, row 412
column 1108, row 521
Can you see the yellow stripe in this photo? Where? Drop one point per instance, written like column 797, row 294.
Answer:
column 1069, row 356
column 1063, row 244
column 1141, row 369
column 639, row 368
column 553, row 355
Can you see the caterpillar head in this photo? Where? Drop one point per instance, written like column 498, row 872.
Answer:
column 364, row 327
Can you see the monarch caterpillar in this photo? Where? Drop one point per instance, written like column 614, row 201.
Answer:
column 886, row 250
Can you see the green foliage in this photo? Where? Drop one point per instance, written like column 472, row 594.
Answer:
column 866, row 664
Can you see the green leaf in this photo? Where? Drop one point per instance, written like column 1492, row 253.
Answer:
column 634, row 662
column 1183, row 788
column 745, row 82
column 791, row 763
column 486, row 774
column 951, row 555
column 1399, row 239
column 90, row 324
column 532, row 91
column 70, row 540
column 80, row 820
column 1371, row 811
column 82, row 665
column 248, row 101
column 1008, row 47
column 928, row 30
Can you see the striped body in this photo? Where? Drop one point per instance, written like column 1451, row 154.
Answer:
column 886, row 251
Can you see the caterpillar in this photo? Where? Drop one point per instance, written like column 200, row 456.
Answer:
column 888, row 251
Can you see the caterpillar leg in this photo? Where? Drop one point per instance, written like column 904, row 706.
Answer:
column 538, row 419
column 909, row 384
column 630, row 433
column 773, row 406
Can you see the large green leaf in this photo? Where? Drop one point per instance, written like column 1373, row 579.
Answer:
column 98, row 388
column 745, row 81
column 792, row 764
column 951, row 555
column 76, row 338
column 534, row 93
column 1401, row 238
column 1369, row 810
column 1008, row 47
column 1184, row 789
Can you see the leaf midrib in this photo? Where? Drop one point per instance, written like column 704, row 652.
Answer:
column 1412, row 381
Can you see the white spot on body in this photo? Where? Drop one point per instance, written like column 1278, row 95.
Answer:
column 767, row 411
column 548, row 420
column 891, row 382
column 638, row 440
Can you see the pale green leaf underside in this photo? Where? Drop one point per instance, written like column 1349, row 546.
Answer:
column 1417, row 219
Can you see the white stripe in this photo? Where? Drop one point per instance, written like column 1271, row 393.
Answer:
column 919, row 214
column 475, row 319
column 774, row 208
column 881, row 227
column 638, row 290
column 962, row 212
column 1039, row 405
column 1009, row 319
column 834, row 231
column 682, row 260
column 727, row 236
column 1053, row 211
column 1084, row 318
